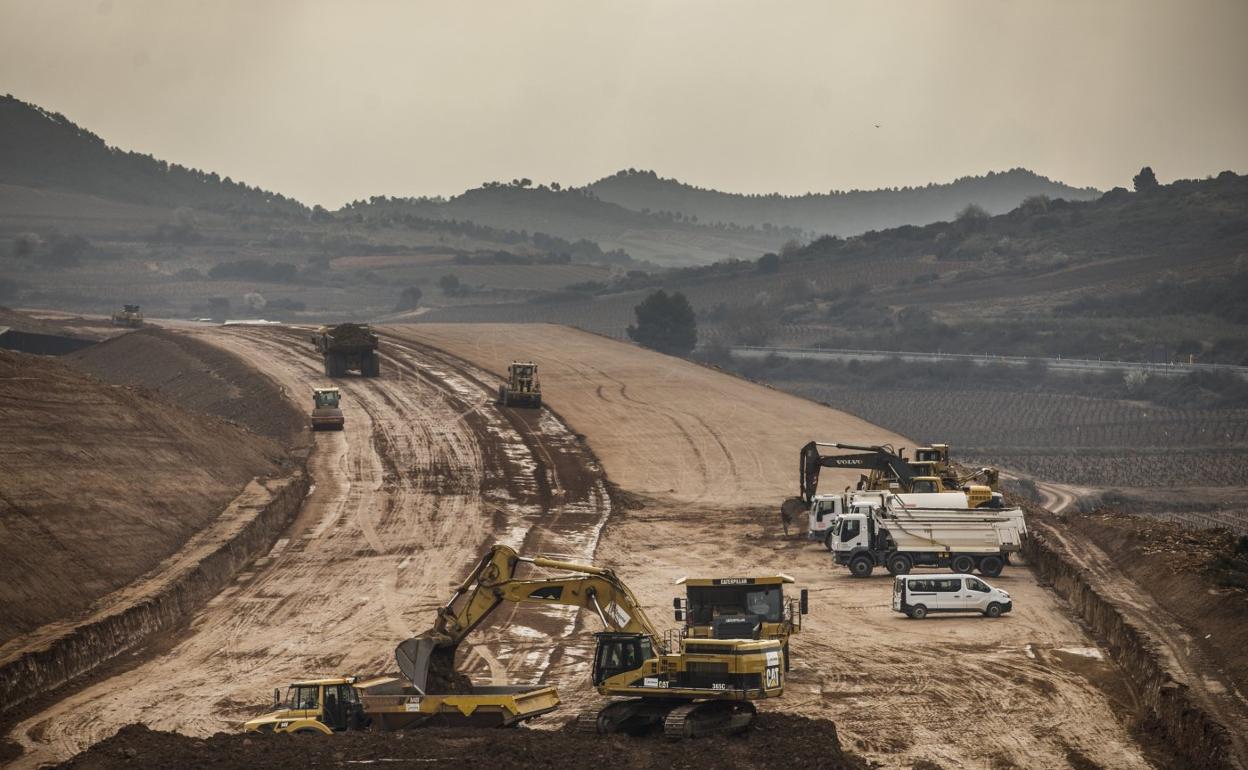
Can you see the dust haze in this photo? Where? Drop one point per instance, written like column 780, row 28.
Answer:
column 330, row 102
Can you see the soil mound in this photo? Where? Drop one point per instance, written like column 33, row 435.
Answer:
column 195, row 376
column 101, row 483
column 777, row 741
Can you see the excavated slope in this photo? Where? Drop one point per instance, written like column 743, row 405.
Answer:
column 101, row 483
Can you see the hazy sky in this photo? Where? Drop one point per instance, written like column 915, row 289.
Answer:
column 330, row 101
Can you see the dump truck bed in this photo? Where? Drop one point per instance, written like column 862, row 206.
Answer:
column 392, row 706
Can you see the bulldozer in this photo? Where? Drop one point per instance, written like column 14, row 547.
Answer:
column 129, row 315
column 523, row 388
column 326, row 413
column 685, row 686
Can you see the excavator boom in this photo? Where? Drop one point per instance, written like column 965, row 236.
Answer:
column 493, row 582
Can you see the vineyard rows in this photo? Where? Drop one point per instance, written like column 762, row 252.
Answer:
column 1125, row 467
column 1034, row 420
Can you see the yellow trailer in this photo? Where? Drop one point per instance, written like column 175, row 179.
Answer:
column 340, row 704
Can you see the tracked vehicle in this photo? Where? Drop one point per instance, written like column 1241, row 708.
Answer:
column 686, row 687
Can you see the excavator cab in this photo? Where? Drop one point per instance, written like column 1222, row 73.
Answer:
column 618, row 653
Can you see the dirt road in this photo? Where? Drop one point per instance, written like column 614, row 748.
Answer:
column 426, row 475
column 710, row 457
column 662, row 426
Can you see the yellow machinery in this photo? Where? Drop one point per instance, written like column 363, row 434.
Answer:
column 326, row 412
column 523, row 388
column 887, row 469
column 685, row 686
column 327, row 706
column 741, row 607
column 129, row 315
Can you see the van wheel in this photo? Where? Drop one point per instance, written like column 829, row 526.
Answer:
column 962, row 564
column 993, row 611
column 990, row 566
column 918, row 612
column 861, row 567
column 827, row 540
column 899, row 564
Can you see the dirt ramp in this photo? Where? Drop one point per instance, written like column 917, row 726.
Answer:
column 100, row 484
column 778, row 741
column 663, row 426
column 196, row 376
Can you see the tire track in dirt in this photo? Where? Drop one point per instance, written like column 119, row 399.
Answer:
column 427, row 474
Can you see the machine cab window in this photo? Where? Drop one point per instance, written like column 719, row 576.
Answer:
column 850, row 529
column 303, row 697
column 618, row 653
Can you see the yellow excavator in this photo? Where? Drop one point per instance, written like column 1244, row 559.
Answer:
column 687, row 687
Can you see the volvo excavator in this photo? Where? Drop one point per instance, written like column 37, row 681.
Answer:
column 687, row 687
column 885, row 468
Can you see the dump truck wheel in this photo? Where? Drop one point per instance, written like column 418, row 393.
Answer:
column 962, row 564
column 990, row 566
column 993, row 611
column 899, row 564
column 861, row 567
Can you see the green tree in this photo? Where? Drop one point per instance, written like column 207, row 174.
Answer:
column 769, row 263
column 409, row 299
column 1145, row 180
column 451, row 285
column 666, row 323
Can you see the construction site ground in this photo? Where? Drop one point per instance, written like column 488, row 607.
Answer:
column 429, row 472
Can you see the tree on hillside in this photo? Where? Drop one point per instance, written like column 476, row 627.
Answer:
column 666, row 323
column 769, row 263
column 409, row 299
column 1145, row 180
column 451, row 285
column 973, row 218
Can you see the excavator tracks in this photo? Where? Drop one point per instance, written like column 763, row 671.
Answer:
column 695, row 720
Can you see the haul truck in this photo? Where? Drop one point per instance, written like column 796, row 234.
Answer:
column 900, row 532
column 347, row 347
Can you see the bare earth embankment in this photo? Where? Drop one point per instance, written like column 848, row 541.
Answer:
column 101, row 483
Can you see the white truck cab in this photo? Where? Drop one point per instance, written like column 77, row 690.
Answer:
column 917, row 595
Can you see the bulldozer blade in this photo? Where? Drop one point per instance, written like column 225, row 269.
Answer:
column 413, row 658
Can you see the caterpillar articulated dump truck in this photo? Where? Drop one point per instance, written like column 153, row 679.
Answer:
column 348, row 347
column 129, row 315
column 684, row 687
column 522, row 388
column 326, row 412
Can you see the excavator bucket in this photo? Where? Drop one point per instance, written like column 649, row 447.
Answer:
column 413, row 658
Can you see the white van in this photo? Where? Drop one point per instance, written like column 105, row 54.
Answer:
column 917, row 595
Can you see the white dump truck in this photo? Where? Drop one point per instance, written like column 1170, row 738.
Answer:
column 870, row 529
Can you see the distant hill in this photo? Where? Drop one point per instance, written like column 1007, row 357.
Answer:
column 573, row 214
column 39, row 148
column 1156, row 275
column 833, row 213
